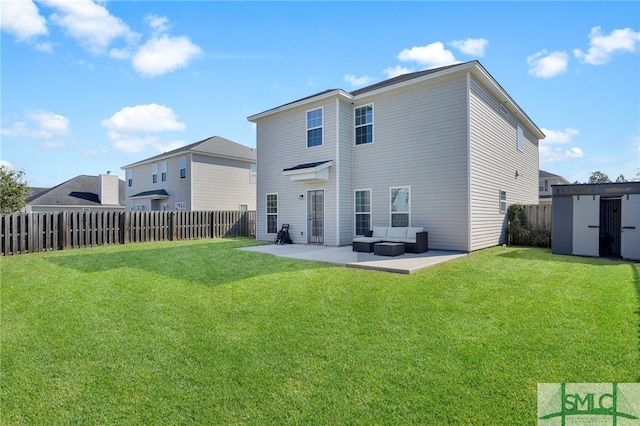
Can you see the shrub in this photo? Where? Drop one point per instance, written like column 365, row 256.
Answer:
column 521, row 233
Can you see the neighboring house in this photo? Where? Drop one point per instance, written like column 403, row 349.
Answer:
column 213, row 174
column 544, row 185
column 82, row 193
column 445, row 148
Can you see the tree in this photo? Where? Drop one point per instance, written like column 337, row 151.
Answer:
column 13, row 190
column 621, row 179
column 599, row 177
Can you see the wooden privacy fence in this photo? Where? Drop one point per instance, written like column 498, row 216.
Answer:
column 34, row 232
column 539, row 215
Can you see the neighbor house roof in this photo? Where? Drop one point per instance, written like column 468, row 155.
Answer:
column 214, row 146
column 545, row 175
column 473, row 67
column 82, row 190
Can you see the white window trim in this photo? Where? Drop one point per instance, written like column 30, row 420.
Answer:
column 390, row 201
column 130, row 178
column 154, row 173
column 373, row 112
column 355, row 213
column 501, row 208
column 267, row 214
column 313, row 128
column 180, row 167
column 253, row 173
column 520, row 137
column 163, row 171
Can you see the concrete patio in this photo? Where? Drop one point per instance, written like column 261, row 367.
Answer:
column 404, row 264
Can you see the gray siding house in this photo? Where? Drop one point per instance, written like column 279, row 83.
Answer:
column 83, row 193
column 447, row 149
column 212, row 174
column 544, row 185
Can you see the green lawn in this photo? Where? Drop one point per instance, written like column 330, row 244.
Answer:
column 199, row 333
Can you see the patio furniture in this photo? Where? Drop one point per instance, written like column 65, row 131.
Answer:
column 388, row 249
column 415, row 238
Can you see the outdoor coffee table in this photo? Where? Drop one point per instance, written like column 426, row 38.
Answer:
column 388, row 249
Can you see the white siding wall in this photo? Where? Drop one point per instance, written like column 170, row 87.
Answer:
column 494, row 161
column 221, row 184
column 282, row 143
column 347, row 221
column 178, row 189
column 420, row 140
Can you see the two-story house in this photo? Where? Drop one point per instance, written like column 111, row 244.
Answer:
column 212, row 174
column 446, row 148
column 544, row 185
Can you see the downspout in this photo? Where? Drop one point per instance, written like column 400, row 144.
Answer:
column 468, row 161
column 337, row 171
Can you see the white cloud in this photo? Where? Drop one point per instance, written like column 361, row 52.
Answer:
column 159, row 24
column 144, row 118
column 547, row 65
column 559, row 136
column 551, row 153
column 39, row 125
column 45, row 47
column 358, row 81
column 164, row 54
column 131, row 128
column 431, row 56
column 396, row 71
column 601, row 47
column 471, row 46
column 22, row 19
column 90, row 23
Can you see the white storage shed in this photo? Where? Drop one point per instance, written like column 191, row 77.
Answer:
column 601, row 220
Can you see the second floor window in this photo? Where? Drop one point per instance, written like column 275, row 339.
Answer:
column 520, row 140
column 163, row 171
column 364, row 124
column 154, row 173
column 183, row 167
column 314, row 127
column 129, row 177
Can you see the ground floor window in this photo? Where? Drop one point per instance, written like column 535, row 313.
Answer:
column 503, row 201
column 400, row 206
column 272, row 213
column 363, row 211
column 181, row 205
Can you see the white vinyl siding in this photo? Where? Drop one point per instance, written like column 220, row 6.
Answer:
column 420, row 140
column 279, row 146
column 494, row 161
column 221, row 184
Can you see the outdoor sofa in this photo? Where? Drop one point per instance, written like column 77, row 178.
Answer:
column 415, row 238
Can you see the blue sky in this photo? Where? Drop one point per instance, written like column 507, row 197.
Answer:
column 88, row 87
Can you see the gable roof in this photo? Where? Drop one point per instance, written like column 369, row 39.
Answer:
column 214, row 146
column 82, row 190
column 544, row 174
column 474, row 67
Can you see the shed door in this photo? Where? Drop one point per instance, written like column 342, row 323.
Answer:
column 630, row 237
column 586, row 225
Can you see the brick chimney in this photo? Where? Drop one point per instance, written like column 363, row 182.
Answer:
column 109, row 189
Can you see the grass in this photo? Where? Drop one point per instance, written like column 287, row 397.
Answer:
column 199, row 333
